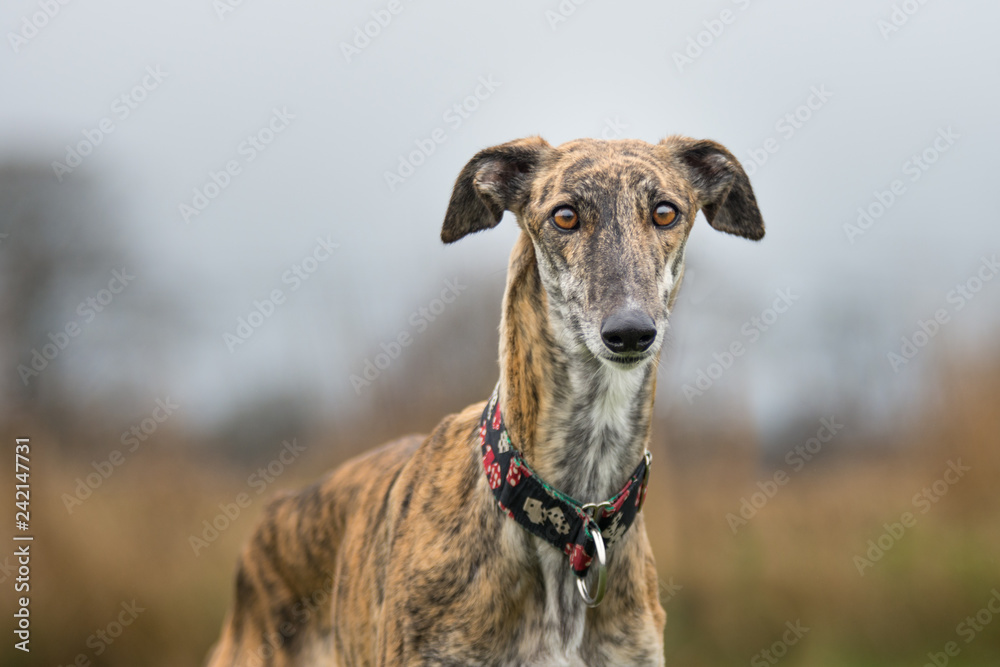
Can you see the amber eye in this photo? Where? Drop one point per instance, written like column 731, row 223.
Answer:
column 664, row 214
column 565, row 218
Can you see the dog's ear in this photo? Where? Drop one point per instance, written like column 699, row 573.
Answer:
column 493, row 181
column 724, row 192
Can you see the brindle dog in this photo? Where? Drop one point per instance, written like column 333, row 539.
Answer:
column 402, row 556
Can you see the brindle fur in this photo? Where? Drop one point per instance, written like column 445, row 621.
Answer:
column 401, row 556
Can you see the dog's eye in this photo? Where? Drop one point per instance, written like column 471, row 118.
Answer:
column 565, row 218
column 664, row 214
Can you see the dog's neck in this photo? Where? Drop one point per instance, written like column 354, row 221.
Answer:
column 581, row 425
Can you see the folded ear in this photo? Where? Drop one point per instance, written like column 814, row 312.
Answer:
column 493, row 181
column 724, row 192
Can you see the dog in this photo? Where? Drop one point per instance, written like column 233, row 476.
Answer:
column 512, row 534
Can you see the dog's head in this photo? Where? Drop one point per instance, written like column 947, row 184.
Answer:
column 608, row 221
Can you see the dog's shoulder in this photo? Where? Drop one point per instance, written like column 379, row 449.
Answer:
column 370, row 471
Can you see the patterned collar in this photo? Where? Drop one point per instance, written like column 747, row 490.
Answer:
column 577, row 529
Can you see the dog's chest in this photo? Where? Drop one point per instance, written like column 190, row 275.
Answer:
column 550, row 649
column 554, row 624
column 549, row 654
column 556, row 629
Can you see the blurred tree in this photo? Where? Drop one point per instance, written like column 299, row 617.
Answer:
column 59, row 244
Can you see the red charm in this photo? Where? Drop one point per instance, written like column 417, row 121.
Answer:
column 493, row 475
column 578, row 558
column 515, row 473
column 492, row 468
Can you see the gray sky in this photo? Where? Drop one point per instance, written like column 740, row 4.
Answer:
column 838, row 102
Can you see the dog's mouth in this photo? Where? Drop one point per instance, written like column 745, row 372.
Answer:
column 626, row 361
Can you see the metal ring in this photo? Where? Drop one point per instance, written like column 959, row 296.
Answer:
column 645, row 477
column 602, row 573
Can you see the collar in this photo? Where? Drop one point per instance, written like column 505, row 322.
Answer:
column 580, row 530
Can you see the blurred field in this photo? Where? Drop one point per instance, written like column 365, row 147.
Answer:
column 728, row 596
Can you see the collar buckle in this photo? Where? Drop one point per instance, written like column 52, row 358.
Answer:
column 590, row 509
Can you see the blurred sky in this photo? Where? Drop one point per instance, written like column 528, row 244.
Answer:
column 560, row 70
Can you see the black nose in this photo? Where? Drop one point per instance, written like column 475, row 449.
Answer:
column 628, row 330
